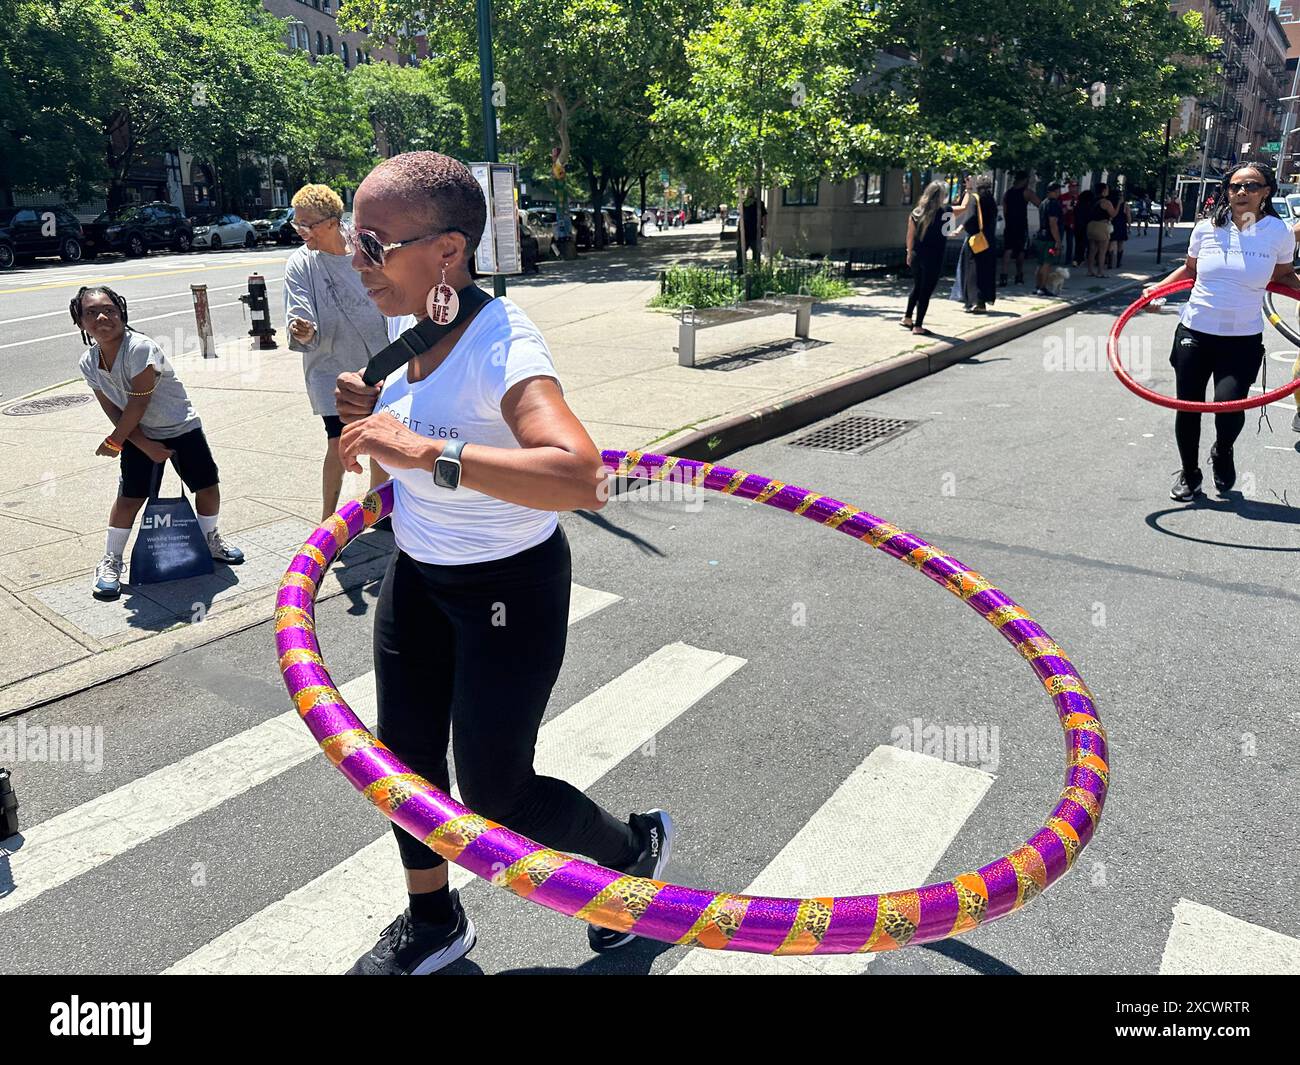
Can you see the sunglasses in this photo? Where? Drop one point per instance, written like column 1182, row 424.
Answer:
column 376, row 250
column 1246, row 186
column 303, row 228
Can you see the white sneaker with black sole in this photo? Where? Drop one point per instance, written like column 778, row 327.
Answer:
column 413, row 948
column 656, row 829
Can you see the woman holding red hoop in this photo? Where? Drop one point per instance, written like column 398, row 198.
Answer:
column 1232, row 256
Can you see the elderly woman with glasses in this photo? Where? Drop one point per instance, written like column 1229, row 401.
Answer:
column 471, row 623
column 329, row 319
column 1232, row 256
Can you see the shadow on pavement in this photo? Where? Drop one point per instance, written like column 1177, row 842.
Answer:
column 971, row 957
column 601, row 522
column 1232, row 503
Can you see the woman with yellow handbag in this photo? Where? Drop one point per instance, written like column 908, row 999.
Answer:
column 977, row 267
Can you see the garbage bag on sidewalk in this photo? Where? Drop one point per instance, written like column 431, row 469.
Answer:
column 170, row 545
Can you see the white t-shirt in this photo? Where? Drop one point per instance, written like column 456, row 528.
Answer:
column 170, row 413
column 1233, row 268
column 461, row 400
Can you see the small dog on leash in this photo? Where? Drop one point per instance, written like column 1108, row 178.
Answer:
column 1056, row 279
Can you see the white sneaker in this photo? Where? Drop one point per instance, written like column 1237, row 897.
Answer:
column 223, row 552
column 108, row 578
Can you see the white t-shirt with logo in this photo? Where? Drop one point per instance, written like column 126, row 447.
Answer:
column 461, row 400
column 1233, row 268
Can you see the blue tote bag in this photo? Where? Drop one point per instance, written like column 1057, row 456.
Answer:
column 170, row 546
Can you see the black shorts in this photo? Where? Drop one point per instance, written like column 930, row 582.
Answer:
column 1013, row 239
column 333, row 425
column 192, row 460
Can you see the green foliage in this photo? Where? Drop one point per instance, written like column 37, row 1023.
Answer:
column 704, row 286
column 411, row 109
column 51, row 98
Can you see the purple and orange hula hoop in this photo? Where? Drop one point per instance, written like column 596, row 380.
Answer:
column 1196, row 407
column 689, row 916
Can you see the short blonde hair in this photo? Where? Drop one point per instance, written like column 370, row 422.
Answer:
column 319, row 199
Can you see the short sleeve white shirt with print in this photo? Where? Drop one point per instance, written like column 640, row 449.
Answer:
column 1233, row 269
column 461, row 400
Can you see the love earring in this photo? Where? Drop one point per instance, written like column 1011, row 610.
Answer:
column 442, row 304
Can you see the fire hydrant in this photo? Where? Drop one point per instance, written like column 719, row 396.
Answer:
column 259, row 312
column 8, row 806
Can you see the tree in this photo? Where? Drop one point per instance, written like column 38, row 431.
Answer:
column 51, row 97
column 411, row 109
column 332, row 139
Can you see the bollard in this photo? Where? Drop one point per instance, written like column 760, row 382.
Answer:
column 259, row 312
column 8, row 806
column 203, row 320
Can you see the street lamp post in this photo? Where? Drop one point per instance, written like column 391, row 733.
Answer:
column 489, row 112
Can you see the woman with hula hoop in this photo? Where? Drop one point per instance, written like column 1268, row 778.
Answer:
column 1232, row 256
column 472, row 618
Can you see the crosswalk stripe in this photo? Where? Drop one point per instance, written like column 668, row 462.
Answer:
column 324, row 925
column 1205, row 942
column 885, row 828
column 72, row 843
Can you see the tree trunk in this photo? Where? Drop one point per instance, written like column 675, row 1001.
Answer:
column 597, row 227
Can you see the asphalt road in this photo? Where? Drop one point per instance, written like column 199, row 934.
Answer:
column 39, row 345
column 1051, row 481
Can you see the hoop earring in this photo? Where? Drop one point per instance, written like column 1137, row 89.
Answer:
column 442, row 303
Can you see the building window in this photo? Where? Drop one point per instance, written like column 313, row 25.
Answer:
column 800, row 195
column 320, row 43
column 868, row 189
column 329, row 44
column 343, row 46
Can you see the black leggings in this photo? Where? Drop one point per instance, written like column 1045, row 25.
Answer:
column 925, row 271
column 476, row 649
column 1234, row 364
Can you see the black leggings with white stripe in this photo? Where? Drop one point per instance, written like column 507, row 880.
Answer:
column 474, row 650
column 1234, row 364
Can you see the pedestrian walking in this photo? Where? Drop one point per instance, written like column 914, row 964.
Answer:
column 1173, row 211
column 976, row 284
column 1232, row 256
column 1049, row 245
column 926, row 244
column 1069, row 200
column 330, row 320
column 1015, row 234
column 153, row 422
column 472, row 617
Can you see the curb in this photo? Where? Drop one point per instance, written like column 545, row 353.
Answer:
column 96, row 669
column 715, row 439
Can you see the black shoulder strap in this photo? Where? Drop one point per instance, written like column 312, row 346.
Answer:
column 421, row 337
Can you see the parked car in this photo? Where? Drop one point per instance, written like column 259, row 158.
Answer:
column 26, row 232
column 137, row 228
column 584, row 233
column 228, row 230
column 1293, row 201
column 533, row 224
column 277, row 226
column 732, row 221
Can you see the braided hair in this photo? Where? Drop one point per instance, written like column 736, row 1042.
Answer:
column 75, row 306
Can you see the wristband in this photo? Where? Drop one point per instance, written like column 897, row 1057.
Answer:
column 108, row 443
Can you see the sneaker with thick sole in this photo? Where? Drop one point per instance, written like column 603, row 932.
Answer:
column 656, row 831
column 108, row 578
column 222, row 551
column 412, row 948
column 1225, row 470
column 1185, row 490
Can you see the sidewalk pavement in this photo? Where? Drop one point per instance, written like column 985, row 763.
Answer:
column 619, row 369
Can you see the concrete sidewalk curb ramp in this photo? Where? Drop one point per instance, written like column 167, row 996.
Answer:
column 716, row 439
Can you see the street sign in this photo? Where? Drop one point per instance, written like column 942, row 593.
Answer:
column 663, row 177
column 498, row 252
column 1273, row 146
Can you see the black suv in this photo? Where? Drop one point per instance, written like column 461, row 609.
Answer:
column 277, row 226
column 26, row 232
column 137, row 228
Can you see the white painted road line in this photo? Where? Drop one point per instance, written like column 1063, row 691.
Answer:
column 851, row 846
column 325, row 925
column 72, row 843
column 1205, row 942
column 134, row 301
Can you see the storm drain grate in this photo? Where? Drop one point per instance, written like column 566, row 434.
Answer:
column 855, row 432
column 46, row 405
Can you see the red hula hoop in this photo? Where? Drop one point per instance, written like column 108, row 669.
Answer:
column 1112, row 354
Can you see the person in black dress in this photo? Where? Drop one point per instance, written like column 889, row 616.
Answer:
column 926, row 243
column 978, row 271
column 1015, row 211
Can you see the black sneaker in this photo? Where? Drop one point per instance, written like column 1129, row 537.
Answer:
column 656, row 829
column 412, row 948
column 1184, row 491
column 1295, row 422
column 1225, row 470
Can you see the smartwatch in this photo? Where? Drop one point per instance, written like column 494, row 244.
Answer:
column 446, row 467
